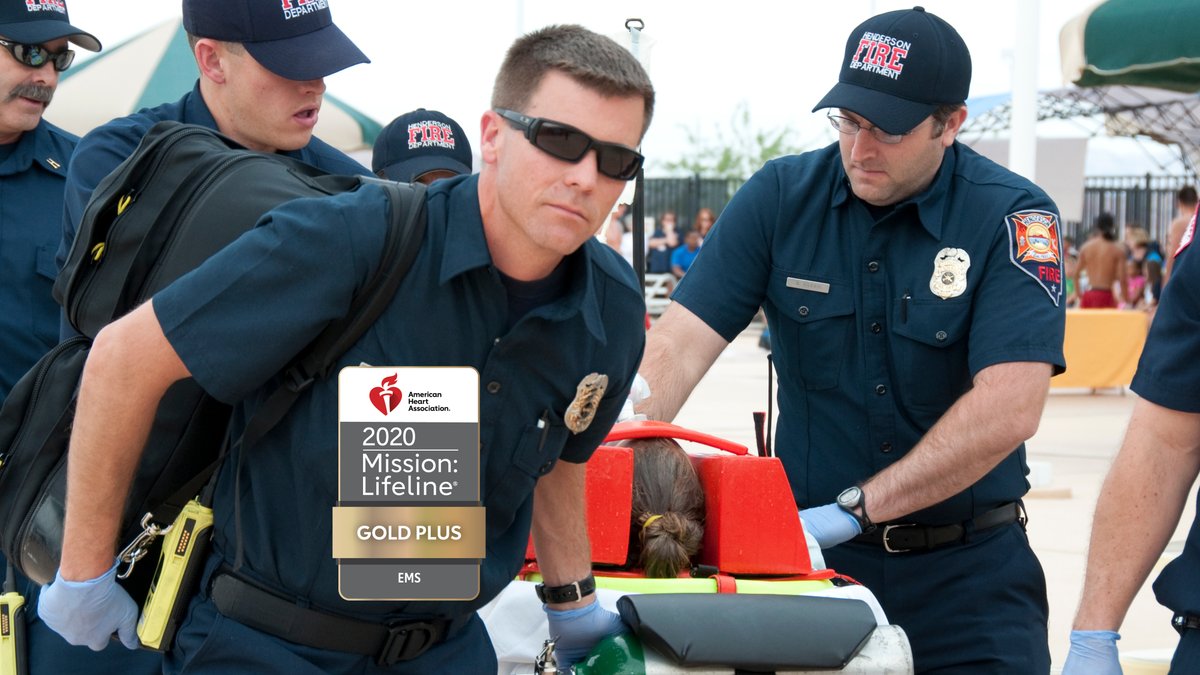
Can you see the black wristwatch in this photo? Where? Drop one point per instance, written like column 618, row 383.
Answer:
column 551, row 595
column 853, row 501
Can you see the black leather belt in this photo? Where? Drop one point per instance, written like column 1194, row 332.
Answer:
column 905, row 537
column 1185, row 622
column 389, row 643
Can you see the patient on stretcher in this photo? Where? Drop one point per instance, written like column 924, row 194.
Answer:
column 667, row 521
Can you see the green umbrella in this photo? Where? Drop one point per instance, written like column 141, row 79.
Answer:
column 1149, row 43
column 157, row 66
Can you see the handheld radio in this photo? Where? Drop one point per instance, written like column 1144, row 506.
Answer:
column 180, row 564
column 12, row 628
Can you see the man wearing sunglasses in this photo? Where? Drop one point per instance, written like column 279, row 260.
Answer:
column 36, row 40
column 913, row 292
column 510, row 280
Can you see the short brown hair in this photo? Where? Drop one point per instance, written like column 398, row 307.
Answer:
column 593, row 60
column 234, row 47
column 942, row 114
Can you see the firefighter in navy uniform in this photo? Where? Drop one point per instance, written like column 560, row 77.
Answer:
column 34, row 160
column 251, row 88
column 1144, row 494
column 913, row 292
column 509, row 280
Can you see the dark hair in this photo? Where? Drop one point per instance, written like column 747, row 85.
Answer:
column 667, row 523
column 941, row 115
column 1106, row 225
column 1186, row 195
column 233, row 47
column 595, row 61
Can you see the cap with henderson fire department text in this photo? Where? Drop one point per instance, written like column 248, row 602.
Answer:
column 899, row 67
column 418, row 142
column 295, row 39
column 36, row 22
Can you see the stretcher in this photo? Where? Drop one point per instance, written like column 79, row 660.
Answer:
column 753, row 597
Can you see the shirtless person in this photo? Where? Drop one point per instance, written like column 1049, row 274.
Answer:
column 1103, row 260
column 1186, row 200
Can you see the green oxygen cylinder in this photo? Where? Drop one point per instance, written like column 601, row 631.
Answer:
column 614, row 655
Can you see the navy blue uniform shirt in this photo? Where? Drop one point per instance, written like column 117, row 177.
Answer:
column 97, row 154
column 237, row 320
column 869, row 357
column 1168, row 374
column 31, row 197
column 102, row 149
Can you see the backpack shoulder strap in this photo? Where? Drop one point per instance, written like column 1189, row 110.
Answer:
column 406, row 232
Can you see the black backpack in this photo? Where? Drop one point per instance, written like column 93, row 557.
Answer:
column 184, row 193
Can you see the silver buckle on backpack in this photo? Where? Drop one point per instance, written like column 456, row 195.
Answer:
column 140, row 546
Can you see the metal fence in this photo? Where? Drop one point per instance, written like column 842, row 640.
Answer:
column 686, row 196
column 1147, row 201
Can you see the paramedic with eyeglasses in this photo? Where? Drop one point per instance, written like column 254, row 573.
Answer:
column 509, row 280
column 34, row 156
column 913, row 291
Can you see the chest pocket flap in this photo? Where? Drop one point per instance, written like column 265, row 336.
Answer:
column 816, row 321
column 937, row 323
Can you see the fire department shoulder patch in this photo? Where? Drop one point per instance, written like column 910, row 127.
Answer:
column 1035, row 248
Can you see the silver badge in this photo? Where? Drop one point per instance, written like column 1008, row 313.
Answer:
column 949, row 278
column 587, row 398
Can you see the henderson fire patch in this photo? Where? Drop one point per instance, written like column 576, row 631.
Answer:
column 1035, row 248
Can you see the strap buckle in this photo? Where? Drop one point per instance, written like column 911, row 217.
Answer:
column 887, row 530
column 140, row 546
column 406, row 640
column 1184, row 622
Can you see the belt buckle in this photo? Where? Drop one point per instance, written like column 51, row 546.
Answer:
column 405, row 640
column 887, row 529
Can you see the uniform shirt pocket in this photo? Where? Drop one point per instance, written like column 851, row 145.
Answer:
column 44, row 310
column 816, row 319
column 511, row 483
column 930, row 352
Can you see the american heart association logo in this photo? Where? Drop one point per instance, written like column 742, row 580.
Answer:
column 386, row 396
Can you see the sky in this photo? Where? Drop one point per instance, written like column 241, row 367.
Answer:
column 705, row 58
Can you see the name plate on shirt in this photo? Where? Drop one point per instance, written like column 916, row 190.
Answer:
column 808, row 285
column 409, row 523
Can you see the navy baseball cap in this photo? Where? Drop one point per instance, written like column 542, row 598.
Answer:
column 899, row 67
column 295, row 39
column 35, row 22
column 419, row 142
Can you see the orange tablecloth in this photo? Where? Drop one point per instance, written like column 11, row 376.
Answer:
column 1102, row 347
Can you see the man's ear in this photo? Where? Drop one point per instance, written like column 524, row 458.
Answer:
column 210, row 55
column 953, row 126
column 489, row 136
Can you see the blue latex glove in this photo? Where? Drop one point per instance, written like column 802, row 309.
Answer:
column 1093, row 652
column 829, row 525
column 578, row 630
column 89, row 612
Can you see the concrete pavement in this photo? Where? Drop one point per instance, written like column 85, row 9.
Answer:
column 1079, row 435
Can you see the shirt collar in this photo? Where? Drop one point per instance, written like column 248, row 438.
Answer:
column 930, row 202
column 35, row 147
column 195, row 110
column 465, row 248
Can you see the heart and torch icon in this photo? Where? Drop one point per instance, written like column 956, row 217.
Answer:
column 386, row 397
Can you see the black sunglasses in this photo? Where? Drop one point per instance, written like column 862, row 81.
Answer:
column 566, row 142
column 36, row 56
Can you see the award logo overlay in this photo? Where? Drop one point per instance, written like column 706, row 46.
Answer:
column 409, row 524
